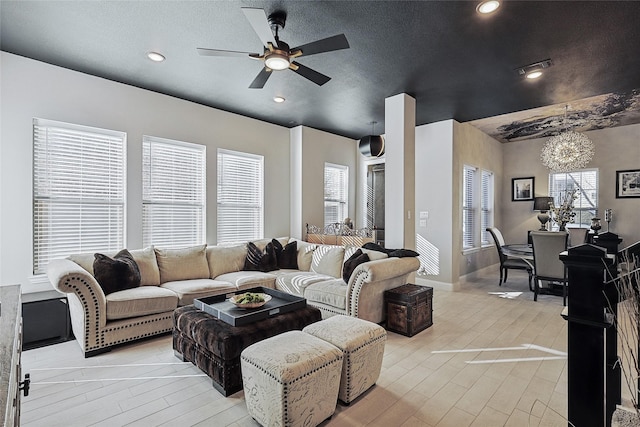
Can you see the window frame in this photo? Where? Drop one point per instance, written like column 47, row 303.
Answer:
column 79, row 191
column 341, row 201
column 175, row 190
column 477, row 207
column 583, row 214
column 225, row 198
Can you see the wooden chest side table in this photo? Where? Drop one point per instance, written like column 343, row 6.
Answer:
column 409, row 309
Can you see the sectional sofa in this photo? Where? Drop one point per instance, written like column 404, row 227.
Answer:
column 169, row 278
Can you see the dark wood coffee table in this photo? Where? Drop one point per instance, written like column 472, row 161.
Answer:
column 214, row 346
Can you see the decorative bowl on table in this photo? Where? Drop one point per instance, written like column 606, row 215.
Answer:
column 250, row 300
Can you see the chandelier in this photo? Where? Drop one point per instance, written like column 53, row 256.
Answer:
column 567, row 151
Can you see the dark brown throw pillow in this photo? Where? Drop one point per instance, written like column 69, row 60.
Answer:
column 402, row 253
column 398, row 253
column 287, row 256
column 350, row 265
column 254, row 256
column 116, row 274
column 258, row 260
column 269, row 260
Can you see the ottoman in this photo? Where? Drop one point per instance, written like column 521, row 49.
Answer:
column 362, row 343
column 291, row 379
column 215, row 346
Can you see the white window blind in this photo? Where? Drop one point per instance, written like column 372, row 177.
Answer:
column 78, row 190
column 586, row 182
column 486, row 206
column 468, row 209
column 240, row 196
column 336, row 193
column 173, row 193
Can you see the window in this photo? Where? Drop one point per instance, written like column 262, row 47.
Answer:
column 173, row 193
column 240, row 196
column 468, row 211
column 586, row 182
column 486, row 206
column 336, row 193
column 477, row 207
column 78, row 190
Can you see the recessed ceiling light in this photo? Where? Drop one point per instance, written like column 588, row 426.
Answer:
column 489, row 6
column 535, row 70
column 534, row 74
column 278, row 99
column 155, row 56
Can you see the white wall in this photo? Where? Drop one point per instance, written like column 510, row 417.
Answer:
column 35, row 89
column 434, row 195
column 615, row 149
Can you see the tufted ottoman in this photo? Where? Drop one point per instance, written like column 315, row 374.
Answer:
column 215, row 346
column 362, row 343
column 291, row 379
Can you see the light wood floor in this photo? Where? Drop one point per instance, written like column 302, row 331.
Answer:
column 426, row 380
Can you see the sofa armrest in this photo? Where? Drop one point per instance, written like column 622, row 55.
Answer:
column 365, row 290
column 90, row 304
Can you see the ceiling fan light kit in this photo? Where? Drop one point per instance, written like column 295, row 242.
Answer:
column 277, row 55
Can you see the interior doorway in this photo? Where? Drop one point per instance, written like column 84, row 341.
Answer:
column 375, row 200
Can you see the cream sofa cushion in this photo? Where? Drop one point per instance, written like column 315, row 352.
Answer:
column 296, row 282
column 188, row 290
column 305, row 254
column 182, row 264
column 140, row 301
column 225, row 259
column 329, row 292
column 249, row 279
column 146, row 260
column 328, row 260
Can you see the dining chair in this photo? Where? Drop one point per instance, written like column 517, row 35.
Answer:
column 507, row 262
column 577, row 236
column 547, row 266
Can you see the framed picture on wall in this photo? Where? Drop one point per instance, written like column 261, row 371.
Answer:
column 627, row 184
column 522, row 189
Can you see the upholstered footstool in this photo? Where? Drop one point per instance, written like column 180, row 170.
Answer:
column 362, row 344
column 291, row 379
column 215, row 346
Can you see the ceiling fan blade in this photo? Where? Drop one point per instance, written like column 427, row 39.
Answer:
column 216, row 52
column 325, row 45
column 258, row 20
column 308, row 73
column 261, row 79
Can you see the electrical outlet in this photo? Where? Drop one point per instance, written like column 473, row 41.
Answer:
column 424, row 215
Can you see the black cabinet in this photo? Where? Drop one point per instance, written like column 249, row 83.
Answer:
column 45, row 317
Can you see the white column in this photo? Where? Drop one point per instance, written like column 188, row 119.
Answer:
column 400, row 132
column 296, row 228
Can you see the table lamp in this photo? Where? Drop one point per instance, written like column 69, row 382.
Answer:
column 542, row 204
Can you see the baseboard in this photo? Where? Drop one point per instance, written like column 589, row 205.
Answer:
column 437, row 285
column 483, row 272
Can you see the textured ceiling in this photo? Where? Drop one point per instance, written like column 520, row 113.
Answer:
column 454, row 62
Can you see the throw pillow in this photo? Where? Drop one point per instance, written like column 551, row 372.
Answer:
column 350, row 265
column 398, row 253
column 253, row 259
column 402, row 253
column 146, row 260
column 328, row 260
column 116, row 274
column 182, row 264
column 288, row 255
column 258, row 260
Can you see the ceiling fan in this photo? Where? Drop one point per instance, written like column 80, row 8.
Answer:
column 277, row 55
